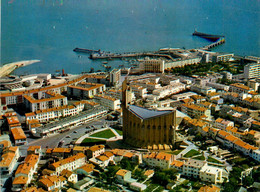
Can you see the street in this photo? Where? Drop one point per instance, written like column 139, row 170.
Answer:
column 67, row 137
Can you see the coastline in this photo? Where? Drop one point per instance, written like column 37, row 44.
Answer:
column 8, row 68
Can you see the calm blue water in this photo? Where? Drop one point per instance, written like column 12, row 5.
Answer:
column 50, row 29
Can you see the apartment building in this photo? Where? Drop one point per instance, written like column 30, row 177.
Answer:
column 49, row 100
column 182, row 96
column 152, row 65
column 9, row 158
column 116, row 93
column 223, row 123
column 192, row 167
column 19, row 136
column 24, row 172
column 13, row 122
column 122, row 176
column 139, row 91
column 161, row 160
column 218, row 86
column 222, row 57
column 95, row 151
column 85, row 90
column 169, row 90
column 69, row 175
column 252, row 70
column 107, row 101
column 195, row 111
column 53, row 182
column 239, row 88
column 211, row 174
column 205, row 90
column 70, row 163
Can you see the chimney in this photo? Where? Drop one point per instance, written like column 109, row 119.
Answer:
column 63, row 74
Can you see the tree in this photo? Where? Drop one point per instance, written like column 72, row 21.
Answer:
column 248, row 181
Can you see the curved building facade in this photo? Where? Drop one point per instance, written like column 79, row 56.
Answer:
column 146, row 128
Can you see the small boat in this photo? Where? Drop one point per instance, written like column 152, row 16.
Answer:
column 105, row 62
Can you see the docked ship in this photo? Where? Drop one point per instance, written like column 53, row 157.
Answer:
column 207, row 36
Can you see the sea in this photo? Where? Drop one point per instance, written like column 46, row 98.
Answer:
column 49, row 30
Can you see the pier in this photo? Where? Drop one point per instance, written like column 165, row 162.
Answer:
column 126, row 55
column 219, row 42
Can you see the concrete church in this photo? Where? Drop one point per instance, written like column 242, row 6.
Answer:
column 146, row 128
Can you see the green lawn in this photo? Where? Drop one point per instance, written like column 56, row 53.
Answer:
column 212, row 160
column 201, row 157
column 89, row 140
column 176, row 152
column 192, row 153
column 104, row 134
column 120, row 132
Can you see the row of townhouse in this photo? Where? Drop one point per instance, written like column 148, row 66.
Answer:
column 189, row 167
column 46, row 115
column 25, row 171
column 9, row 157
column 236, row 143
column 85, row 90
column 246, row 99
column 68, row 122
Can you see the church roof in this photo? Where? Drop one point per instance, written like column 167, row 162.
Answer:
column 146, row 113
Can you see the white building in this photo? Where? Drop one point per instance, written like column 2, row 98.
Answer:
column 256, row 155
column 70, row 163
column 211, row 174
column 252, row 70
column 52, row 182
column 205, row 90
column 110, row 102
column 95, row 151
column 218, row 86
column 46, row 115
column 139, row 91
column 86, row 90
column 48, row 100
column 169, row 90
column 192, row 167
column 161, row 160
column 223, row 123
column 182, row 96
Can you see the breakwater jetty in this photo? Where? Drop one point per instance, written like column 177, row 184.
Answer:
column 89, row 51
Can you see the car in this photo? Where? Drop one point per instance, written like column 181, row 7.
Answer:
column 68, row 136
column 74, row 131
